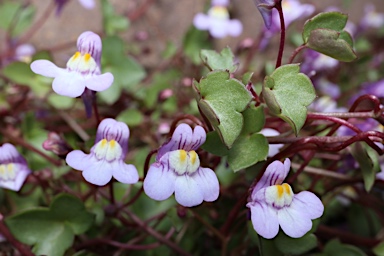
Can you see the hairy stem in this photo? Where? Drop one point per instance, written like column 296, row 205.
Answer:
column 282, row 34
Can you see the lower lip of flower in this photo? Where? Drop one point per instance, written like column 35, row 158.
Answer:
column 184, row 162
column 279, row 196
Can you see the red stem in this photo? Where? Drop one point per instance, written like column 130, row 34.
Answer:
column 282, row 34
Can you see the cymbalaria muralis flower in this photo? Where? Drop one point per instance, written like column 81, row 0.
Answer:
column 83, row 69
column 177, row 170
column 217, row 21
column 13, row 168
column 107, row 156
column 274, row 204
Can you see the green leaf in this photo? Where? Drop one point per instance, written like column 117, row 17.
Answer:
column 329, row 20
column 219, row 61
column 288, row 93
column 214, row 145
column 295, row 246
column 17, row 15
column 335, row 247
column 368, row 161
column 112, row 22
column 24, row 20
column 378, row 250
column 51, row 230
column 332, row 43
column 222, row 99
column 126, row 71
column 132, row 117
column 250, row 147
column 193, row 42
column 60, row 102
column 247, row 77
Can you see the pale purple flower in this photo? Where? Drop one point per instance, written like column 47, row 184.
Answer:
column 107, row 156
column 13, row 168
column 317, row 62
column 274, row 204
column 273, row 148
column 217, row 21
column 87, row 4
column 265, row 8
column 371, row 18
column 325, row 104
column 177, row 170
column 292, row 9
column 83, row 69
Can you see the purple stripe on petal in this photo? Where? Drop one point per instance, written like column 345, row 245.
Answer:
column 159, row 184
column 208, row 183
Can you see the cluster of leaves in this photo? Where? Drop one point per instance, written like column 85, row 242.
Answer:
column 48, row 214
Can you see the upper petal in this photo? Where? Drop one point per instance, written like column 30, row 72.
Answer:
column 88, row 4
column 181, row 138
column 69, row 84
column 159, row 184
column 309, row 203
column 46, row 68
column 264, row 219
column 273, row 175
column 295, row 223
column 99, row 82
column 207, row 180
column 187, row 191
column 198, row 138
column 125, row 173
column 110, row 129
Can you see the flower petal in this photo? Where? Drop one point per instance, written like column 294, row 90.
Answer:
column 46, row 68
column 111, row 129
column 78, row 160
column 207, row 180
column 273, row 175
column 98, row 172
column 295, row 223
column 235, row 28
column 69, row 84
column 187, row 191
column 22, row 173
column 273, row 148
column 125, row 173
column 218, row 27
column 201, row 21
column 264, row 219
column 198, row 138
column 308, row 202
column 181, row 138
column 99, row 82
column 159, row 184
column 87, row 4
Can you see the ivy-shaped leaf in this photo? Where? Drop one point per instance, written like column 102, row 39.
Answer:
column 295, row 246
column 222, row 99
column 251, row 146
column 51, row 230
column 219, row 61
column 368, row 162
column 324, row 33
column 288, row 93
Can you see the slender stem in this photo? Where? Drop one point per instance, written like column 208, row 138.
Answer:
column 8, row 235
column 74, row 125
column 297, row 50
column 154, row 233
column 282, row 34
column 368, row 114
column 43, row 18
column 30, row 147
column 311, row 154
column 209, row 226
column 111, row 194
column 322, row 172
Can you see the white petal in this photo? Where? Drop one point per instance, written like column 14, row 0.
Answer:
column 125, row 173
column 98, row 173
column 46, row 68
column 99, row 82
column 201, row 21
column 187, row 191
column 69, row 84
column 308, row 202
column 208, row 183
column 294, row 223
column 264, row 219
column 159, row 184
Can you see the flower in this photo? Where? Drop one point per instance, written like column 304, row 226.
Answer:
column 13, row 168
column 274, row 204
column 107, row 156
column 87, row 4
column 83, row 69
column 177, row 170
column 217, row 21
column 273, row 148
column 371, row 18
column 292, row 9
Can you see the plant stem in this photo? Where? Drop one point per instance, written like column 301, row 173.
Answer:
column 297, row 50
column 368, row 114
column 282, row 34
column 8, row 235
